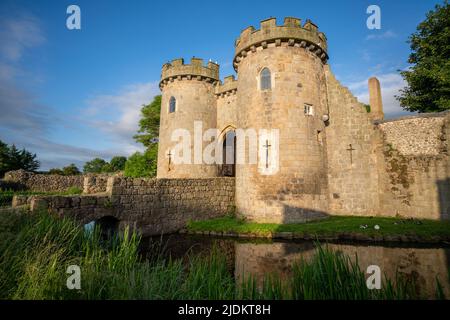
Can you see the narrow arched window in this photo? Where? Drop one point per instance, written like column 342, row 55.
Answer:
column 172, row 104
column 265, row 79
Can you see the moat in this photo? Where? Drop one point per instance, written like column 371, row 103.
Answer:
column 421, row 264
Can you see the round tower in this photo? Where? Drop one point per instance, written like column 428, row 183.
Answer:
column 281, row 86
column 188, row 108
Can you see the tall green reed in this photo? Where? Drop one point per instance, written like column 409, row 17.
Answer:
column 36, row 249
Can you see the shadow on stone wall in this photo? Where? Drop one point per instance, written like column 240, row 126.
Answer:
column 12, row 185
column 444, row 198
column 296, row 214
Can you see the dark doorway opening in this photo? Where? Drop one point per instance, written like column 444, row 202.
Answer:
column 228, row 168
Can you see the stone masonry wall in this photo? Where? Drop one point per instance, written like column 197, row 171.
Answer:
column 95, row 183
column 43, row 182
column 152, row 206
column 416, row 136
column 193, row 87
column 298, row 191
column 157, row 206
column 91, row 183
column 83, row 208
column 352, row 154
column 415, row 166
column 227, row 112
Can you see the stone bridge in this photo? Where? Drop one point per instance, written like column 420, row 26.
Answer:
column 152, row 206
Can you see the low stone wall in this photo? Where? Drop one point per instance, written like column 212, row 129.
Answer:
column 414, row 178
column 84, row 208
column 152, row 206
column 95, row 183
column 21, row 179
column 157, row 206
column 43, row 182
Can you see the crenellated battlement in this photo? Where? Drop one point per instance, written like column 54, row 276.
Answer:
column 291, row 33
column 229, row 86
column 196, row 70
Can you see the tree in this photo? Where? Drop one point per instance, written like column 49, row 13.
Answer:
column 94, row 166
column 27, row 161
column 70, row 170
column 4, row 158
column 107, row 168
column 149, row 124
column 12, row 158
column 142, row 164
column 118, row 163
column 56, row 171
column 428, row 79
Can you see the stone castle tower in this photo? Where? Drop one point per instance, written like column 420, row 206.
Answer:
column 329, row 151
column 190, row 91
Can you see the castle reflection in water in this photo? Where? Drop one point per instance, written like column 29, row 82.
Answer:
column 420, row 264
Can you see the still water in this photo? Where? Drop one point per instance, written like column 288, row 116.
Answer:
column 421, row 264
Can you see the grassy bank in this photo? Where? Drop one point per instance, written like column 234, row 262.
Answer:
column 332, row 227
column 35, row 251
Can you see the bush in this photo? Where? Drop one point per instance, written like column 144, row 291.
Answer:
column 71, row 170
column 117, row 163
column 99, row 165
column 55, row 171
column 94, row 166
column 142, row 164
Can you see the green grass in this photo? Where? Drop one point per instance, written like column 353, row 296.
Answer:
column 332, row 226
column 6, row 196
column 36, row 249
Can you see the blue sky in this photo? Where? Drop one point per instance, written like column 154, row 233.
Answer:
column 71, row 95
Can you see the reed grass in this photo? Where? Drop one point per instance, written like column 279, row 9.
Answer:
column 36, row 249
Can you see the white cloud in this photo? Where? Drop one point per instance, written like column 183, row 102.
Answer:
column 17, row 34
column 385, row 35
column 18, row 107
column 52, row 154
column 390, row 83
column 125, row 108
column 26, row 123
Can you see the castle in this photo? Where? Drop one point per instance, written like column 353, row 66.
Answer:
column 335, row 156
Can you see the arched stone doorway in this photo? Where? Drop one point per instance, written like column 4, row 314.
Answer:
column 228, row 167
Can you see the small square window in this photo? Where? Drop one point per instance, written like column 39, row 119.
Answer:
column 309, row 110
